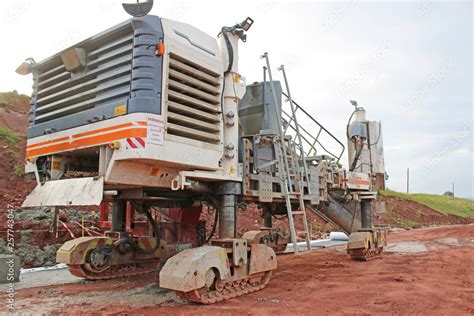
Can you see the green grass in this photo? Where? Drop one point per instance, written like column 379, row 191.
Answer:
column 401, row 221
column 443, row 204
column 12, row 153
column 14, row 101
column 10, row 137
column 19, row 171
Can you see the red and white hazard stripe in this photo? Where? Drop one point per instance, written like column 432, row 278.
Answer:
column 136, row 142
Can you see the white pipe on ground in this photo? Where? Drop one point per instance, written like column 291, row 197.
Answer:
column 338, row 236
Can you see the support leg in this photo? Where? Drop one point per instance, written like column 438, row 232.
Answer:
column 119, row 214
column 227, row 216
column 365, row 213
column 267, row 218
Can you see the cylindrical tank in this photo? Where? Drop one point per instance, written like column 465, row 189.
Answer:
column 371, row 158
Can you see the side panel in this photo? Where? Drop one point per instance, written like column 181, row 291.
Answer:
column 116, row 72
column 192, row 84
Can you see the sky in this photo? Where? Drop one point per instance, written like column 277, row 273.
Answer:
column 408, row 63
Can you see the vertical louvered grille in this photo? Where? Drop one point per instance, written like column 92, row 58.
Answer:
column 193, row 101
column 105, row 78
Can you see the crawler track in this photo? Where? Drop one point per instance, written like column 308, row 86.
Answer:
column 115, row 271
column 228, row 290
column 366, row 254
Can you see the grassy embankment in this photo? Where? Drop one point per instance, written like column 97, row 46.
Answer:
column 440, row 203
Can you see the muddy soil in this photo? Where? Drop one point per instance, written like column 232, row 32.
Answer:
column 36, row 241
column 13, row 187
column 433, row 278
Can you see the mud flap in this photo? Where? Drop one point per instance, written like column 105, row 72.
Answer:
column 68, row 192
column 262, row 258
column 187, row 270
column 359, row 240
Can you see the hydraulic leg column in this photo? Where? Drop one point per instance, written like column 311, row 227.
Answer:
column 365, row 216
column 119, row 216
column 367, row 243
column 267, row 218
column 227, row 216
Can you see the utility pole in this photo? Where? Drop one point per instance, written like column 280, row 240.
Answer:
column 408, row 180
column 453, row 190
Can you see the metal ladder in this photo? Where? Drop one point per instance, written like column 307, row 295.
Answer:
column 297, row 129
column 285, row 155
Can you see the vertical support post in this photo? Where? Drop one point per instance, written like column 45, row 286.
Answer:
column 104, row 214
column 118, row 216
column 298, row 134
column 102, row 160
column 280, row 129
column 267, row 218
column 264, row 86
column 55, row 221
column 227, row 216
column 130, row 214
column 408, row 180
column 365, row 213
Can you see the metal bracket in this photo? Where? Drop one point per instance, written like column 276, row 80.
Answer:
column 239, row 252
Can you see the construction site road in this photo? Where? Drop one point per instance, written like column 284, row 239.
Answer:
column 423, row 271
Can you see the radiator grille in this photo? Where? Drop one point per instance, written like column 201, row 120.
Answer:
column 105, row 78
column 193, row 101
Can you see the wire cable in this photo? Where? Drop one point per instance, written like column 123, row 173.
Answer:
column 214, row 226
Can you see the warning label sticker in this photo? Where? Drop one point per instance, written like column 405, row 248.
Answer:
column 155, row 130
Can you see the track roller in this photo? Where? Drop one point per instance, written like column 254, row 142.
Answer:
column 99, row 258
column 211, row 274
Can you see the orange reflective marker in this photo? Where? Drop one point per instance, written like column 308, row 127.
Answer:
column 160, row 48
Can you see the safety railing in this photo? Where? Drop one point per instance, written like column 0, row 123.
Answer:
column 311, row 132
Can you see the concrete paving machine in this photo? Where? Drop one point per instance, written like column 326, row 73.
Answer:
column 153, row 117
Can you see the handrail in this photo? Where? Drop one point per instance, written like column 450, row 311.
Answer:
column 315, row 139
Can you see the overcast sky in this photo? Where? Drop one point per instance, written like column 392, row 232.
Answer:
column 409, row 63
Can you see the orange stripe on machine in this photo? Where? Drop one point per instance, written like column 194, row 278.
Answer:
column 102, row 130
column 57, row 140
column 87, row 141
column 93, row 132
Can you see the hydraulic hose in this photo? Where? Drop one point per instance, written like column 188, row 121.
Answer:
column 135, row 245
column 357, row 155
column 230, row 50
column 214, row 226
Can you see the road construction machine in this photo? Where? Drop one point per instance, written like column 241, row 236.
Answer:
column 153, row 118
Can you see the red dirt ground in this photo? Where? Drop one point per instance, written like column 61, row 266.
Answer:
column 13, row 189
column 436, row 282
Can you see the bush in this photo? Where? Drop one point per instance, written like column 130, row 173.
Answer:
column 10, row 137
